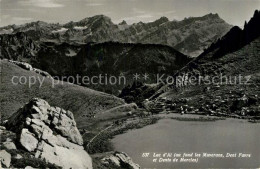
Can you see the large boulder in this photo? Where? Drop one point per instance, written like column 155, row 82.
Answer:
column 5, row 159
column 28, row 140
column 9, row 145
column 120, row 159
column 50, row 133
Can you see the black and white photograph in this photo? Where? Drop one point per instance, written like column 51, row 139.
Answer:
column 130, row 84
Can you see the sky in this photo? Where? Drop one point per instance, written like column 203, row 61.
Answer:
column 234, row 12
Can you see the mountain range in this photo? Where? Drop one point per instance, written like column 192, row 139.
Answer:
column 92, row 59
column 189, row 36
column 97, row 46
column 235, row 54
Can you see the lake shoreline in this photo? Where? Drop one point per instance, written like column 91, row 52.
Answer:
column 173, row 129
column 123, row 126
column 103, row 145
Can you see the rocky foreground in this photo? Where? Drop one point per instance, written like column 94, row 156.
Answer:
column 41, row 136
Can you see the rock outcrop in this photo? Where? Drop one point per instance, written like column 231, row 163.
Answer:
column 9, row 145
column 49, row 133
column 120, row 159
column 29, row 67
column 23, row 65
column 5, row 159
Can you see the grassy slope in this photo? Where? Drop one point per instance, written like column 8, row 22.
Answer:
column 81, row 101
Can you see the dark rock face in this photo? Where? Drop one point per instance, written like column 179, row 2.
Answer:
column 50, row 133
column 100, row 28
column 17, row 46
column 111, row 58
column 236, row 38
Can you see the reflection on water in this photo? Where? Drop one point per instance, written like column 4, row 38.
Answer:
column 224, row 136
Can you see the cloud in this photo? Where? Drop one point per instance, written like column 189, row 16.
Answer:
column 135, row 19
column 8, row 19
column 21, row 19
column 94, row 4
column 169, row 12
column 41, row 3
column 5, row 16
column 138, row 11
column 145, row 16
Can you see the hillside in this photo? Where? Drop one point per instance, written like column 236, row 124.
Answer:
column 189, row 36
column 83, row 102
column 236, row 54
column 231, row 99
column 93, row 59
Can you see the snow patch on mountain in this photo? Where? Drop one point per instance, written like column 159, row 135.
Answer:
column 6, row 31
column 80, row 27
column 70, row 53
column 61, row 30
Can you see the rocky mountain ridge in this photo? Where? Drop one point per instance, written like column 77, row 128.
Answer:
column 189, row 36
column 235, row 39
column 93, row 59
column 236, row 54
column 18, row 46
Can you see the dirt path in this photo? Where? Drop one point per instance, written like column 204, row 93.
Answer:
column 98, row 135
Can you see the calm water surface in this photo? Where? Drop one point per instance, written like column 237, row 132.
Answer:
column 223, row 136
